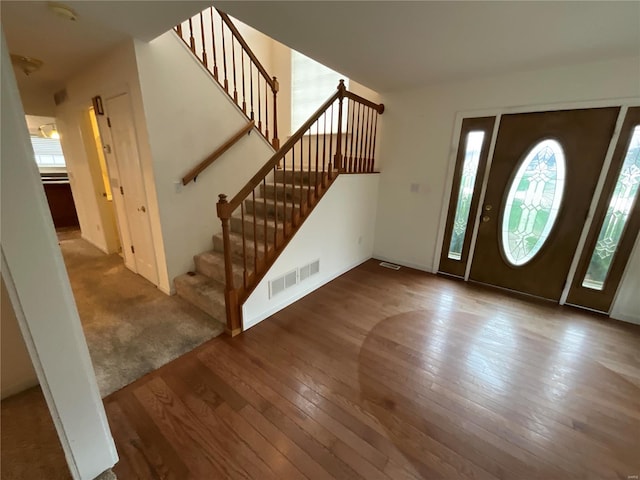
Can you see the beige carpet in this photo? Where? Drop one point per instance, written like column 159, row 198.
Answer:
column 131, row 327
column 30, row 445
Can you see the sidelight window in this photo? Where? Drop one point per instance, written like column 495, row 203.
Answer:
column 624, row 197
column 465, row 195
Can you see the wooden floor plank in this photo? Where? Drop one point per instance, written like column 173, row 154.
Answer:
column 394, row 375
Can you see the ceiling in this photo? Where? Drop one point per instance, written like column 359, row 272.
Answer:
column 389, row 45
column 66, row 47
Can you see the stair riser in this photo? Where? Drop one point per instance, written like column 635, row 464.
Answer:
column 281, row 193
column 236, row 249
column 270, row 209
column 236, row 227
column 215, row 270
column 280, row 176
column 216, row 309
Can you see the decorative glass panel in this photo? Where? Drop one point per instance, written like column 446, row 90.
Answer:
column 533, row 202
column 622, row 200
column 465, row 194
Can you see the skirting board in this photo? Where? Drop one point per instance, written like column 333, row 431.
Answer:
column 248, row 323
column 627, row 317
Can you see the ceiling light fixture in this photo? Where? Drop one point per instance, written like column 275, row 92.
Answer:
column 63, row 11
column 49, row 130
column 27, row 65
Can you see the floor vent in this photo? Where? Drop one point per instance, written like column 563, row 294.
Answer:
column 283, row 282
column 392, row 266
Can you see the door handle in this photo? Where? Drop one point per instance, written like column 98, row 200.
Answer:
column 142, row 209
column 486, row 218
column 488, row 208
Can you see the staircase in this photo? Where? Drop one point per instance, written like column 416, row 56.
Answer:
column 260, row 220
column 205, row 286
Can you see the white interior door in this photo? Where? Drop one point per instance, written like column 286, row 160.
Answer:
column 125, row 150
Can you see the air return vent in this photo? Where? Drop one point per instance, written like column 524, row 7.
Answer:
column 283, row 282
column 310, row 269
column 292, row 278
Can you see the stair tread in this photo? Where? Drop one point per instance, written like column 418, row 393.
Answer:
column 236, row 238
column 215, row 256
column 279, row 201
column 203, row 292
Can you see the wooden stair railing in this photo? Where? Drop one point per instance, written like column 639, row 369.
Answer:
column 198, row 169
column 215, row 41
column 296, row 177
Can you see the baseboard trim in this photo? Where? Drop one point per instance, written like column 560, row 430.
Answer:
column 626, row 317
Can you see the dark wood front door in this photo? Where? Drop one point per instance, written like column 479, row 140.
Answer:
column 543, row 175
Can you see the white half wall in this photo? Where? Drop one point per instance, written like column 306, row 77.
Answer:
column 626, row 306
column 188, row 115
column 17, row 370
column 39, row 291
column 418, row 142
column 339, row 232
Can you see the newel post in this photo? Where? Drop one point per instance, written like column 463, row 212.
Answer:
column 337, row 163
column 234, row 323
column 275, row 141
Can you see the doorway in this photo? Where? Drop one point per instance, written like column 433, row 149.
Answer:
column 538, row 191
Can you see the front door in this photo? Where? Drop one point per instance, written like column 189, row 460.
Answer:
column 543, row 175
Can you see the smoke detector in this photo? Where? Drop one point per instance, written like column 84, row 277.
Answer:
column 63, row 11
column 27, row 65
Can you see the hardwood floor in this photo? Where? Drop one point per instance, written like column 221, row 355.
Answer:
column 393, row 375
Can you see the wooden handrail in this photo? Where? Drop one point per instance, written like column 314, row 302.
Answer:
column 217, row 153
column 248, row 51
column 230, row 206
column 282, row 194
column 377, row 107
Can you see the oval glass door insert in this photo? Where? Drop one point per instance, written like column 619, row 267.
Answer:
column 533, row 202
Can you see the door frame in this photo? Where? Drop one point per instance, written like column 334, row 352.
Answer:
column 623, row 103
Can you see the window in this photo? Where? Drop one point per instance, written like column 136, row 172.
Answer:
column 618, row 213
column 533, row 202
column 311, row 85
column 48, row 152
column 465, row 194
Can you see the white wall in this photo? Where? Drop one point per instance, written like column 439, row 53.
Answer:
column 39, row 290
column 17, row 370
column 276, row 58
column 113, row 74
column 626, row 306
column 339, row 232
column 417, row 141
column 188, row 116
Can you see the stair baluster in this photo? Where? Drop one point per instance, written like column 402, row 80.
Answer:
column 226, row 31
